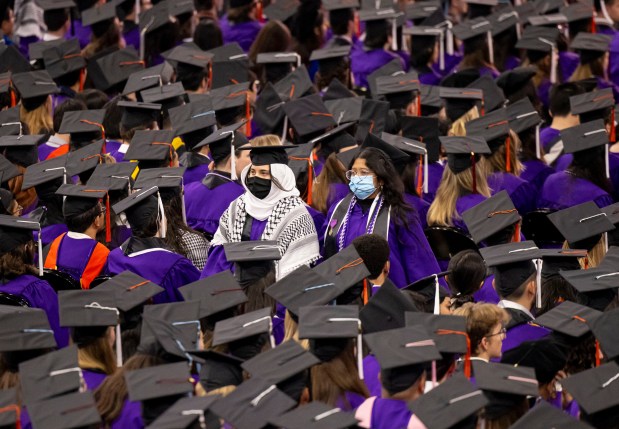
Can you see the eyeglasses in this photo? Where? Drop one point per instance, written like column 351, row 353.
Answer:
column 503, row 332
column 351, row 173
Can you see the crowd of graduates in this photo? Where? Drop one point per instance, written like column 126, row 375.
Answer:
column 309, row 214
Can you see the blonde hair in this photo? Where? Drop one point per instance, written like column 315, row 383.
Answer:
column 39, row 120
column 480, row 319
column 497, row 161
column 443, row 210
column 458, row 128
column 594, row 256
column 291, row 331
column 583, row 71
column 265, row 140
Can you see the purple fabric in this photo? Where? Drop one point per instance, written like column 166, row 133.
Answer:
column 40, row 295
column 464, row 203
column 563, row 162
column 371, row 371
column 49, row 233
column 365, row 62
column 406, row 59
column 543, row 92
column 511, row 62
column 351, row 401
column 243, row 33
column 25, row 421
column 118, row 156
column 421, row 207
column 487, row 293
column 132, row 38
column 613, row 65
column 451, row 62
column 390, row 414
column 488, row 71
column 563, row 190
column 205, row 206
column 24, row 44
column 58, row 99
column 82, row 33
column 613, row 164
column 430, row 78
column 93, row 379
column 337, row 191
column 522, row 193
column 603, row 84
column 195, row 174
column 536, row 172
column 217, row 262
column 568, row 61
column 407, row 243
column 45, row 150
column 167, row 269
column 74, row 255
column 435, row 175
column 547, row 136
column 112, row 146
column 319, row 220
column 130, row 417
column 521, row 333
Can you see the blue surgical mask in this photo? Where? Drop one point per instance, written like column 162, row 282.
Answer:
column 362, row 186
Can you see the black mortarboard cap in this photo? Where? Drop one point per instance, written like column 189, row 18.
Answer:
column 347, row 157
column 577, row 11
column 581, row 222
column 155, row 17
column 398, row 157
column 594, row 279
column 113, row 177
column 96, row 307
column 171, row 95
column 187, row 412
column 492, row 93
column 150, row 145
column 556, row 260
column 345, row 268
column 53, row 374
column 25, row 329
column 545, row 355
column 22, row 149
column 36, row 49
column 402, row 347
column 221, row 140
column 135, row 199
column 8, row 171
column 471, row 28
column 165, row 177
column 159, row 381
column 584, row 136
column 460, row 150
column 243, row 326
column 321, row 322
column 253, row 259
column 449, row 403
column 131, row 290
column 511, row 81
column 604, row 328
column 568, row 318
column 229, row 96
column 425, row 130
column 34, row 85
column 491, row 216
column 385, row 309
column 193, row 116
column 592, row 101
column 399, row 90
column 99, row 13
column 448, row 332
column 545, row 415
column 190, row 56
column 295, row 85
column 315, row 415
column 114, row 69
column 392, row 68
column 148, row 78
column 86, row 158
column 252, row 404
column 75, row 410
column 63, row 59
column 503, row 378
column 79, row 199
column 335, row 91
column 341, row 4
column 552, row 20
column 55, row 4
column 229, row 72
column 538, row 39
column 10, row 122
column 265, row 155
column 595, row 389
column 12, row 60
column 16, row 231
column 422, row 9
column 45, row 171
column 10, row 415
column 308, row 115
column 216, row 293
column 268, row 114
column 522, row 115
column 503, row 19
column 512, row 263
column 373, row 118
column 278, row 58
column 346, row 109
column 137, row 113
column 82, row 121
column 282, row 10
column 590, row 46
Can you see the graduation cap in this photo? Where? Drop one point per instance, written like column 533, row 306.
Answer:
column 448, row 404
column 21, row 149
column 556, row 260
column 10, row 123
column 223, row 142
column 503, row 378
column 373, row 118
column 346, row 110
column 80, row 199
column 253, row 259
column 186, row 412
column 385, row 309
column 330, row 58
column 233, row 70
column 45, row 171
column 141, row 206
column 424, row 130
column 491, row 216
column 494, row 128
column 138, row 113
column 458, row 101
column 545, row 415
column 421, row 10
column 347, row 157
column 34, row 87
column 594, row 105
column 513, row 265
column 551, row 20
column 220, row 370
column 279, row 58
column 83, row 125
column 345, row 268
column 166, row 177
column 184, row 315
column 568, row 318
column 472, row 28
column 216, row 293
column 336, row 91
column 252, row 404
column 142, row 79
column 149, row 145
column 55, row 4
column 504, row 19
column 523, row 116
column 595, row 389
column 268, row 114
column 282, row 10
column 603, row 326
column 581, row 225
column 578, row 11
column 341, row 4
column 131, row 290
column 399, row 90
column 181, row 7
column 329, row 323
column 308, row 115
column 392, row 68
column 414, row 149
column 448, row 332
column 186, row 56
column 75, row 410
column 86, row 158
column 64, row 59
column 594, row 279
column 11, row 60
column 10, row 410
column 195, row 116
column 295, row 85
column 80, row 308
column 244, row 326
column 315, row 415
column 154, row 18
column 591, row 46
column 53, row 374
column 113, row 70
column 493, row 96
column 512, row 81
column 398, row 157
column 336, row 139
column 99, row 13
column 25, row 329
column 159, row 381
column 36, row 49
column 17, row 231
column 266, row 155
column 170, row 341
column 169, row 96
column 544, row 355
column 463, row 152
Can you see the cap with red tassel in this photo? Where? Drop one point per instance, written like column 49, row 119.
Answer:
column 508, row 153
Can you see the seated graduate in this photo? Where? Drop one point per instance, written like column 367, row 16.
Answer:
column 241, row 23
column 594, row 53
column 137, row 116
column 55, row 145
column 467, row 275
column 92, row 316
column 515, row 280
column 146, row 253
column 20, row 278
column 402, row 374
column 77, row 252
column 585, row 179
column 478, row 54
column 270, row 209
column 219, row 186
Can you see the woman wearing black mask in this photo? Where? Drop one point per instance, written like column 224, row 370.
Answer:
column 270, row 209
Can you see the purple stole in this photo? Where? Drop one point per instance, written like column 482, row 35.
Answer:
column 371, row 369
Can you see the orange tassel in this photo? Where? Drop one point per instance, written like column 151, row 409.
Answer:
column 508, row 152
column 597, row 353
column 517, row 233
column 419, row 104
column 420, row 176
column 467, row 356
column 366, row 291
column 593, row 25
column 17, row 410
column 483, row 108
column 310, row 177
column 357, row 26
column 209, row 82
column 13, row 99
column 613, row 131
column 82, row 79
column 259, row 15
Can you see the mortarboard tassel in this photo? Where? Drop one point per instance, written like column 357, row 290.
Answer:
column 209, row 82
column 593, row 25
column 40, row 252
column 613, row 127
column 538, row 149
column 162, row 217
column 441, row 52
column 143, row 38
column 108, row 220
column 553, row 64
column 13, row 98
column 357, row 25
column 259, row 15
column 434, row 374
column 86, row 121
column 247, row 115
column 467, row 356
column 119, row 347
column 17, row 410
column 419, row 104
column 437, row 296
column 508, row 153
column 473, row 172
column 449, row 42
column 420, row 176
column 490, row 47
column 606, row 161
column 597, row 353
column 366, row 291
column 516, row 238
column 233, row 175
column 394, row 35
column 538, row 280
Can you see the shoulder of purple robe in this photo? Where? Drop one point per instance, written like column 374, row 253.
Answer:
column 337, row 191
column 390, row 414
column 319, row 219
column 365, row 62
column 195, row 174
column 463, row 204
column 568, row 61
column 371, row 371
column 543, row 92
column 49, row 233
column 521, row 333
column 487, row 293
column 82, row 33
column 521, row 192
column 181, row 273
column 130, row 416
column 132, row 38
column 216, row 262
column 93, row 379
column 562, row 190
column 511, row 62
column 536, row 172
column 613, row 63
column 421, row 207
column 563, row 162
column 112, row 146
column 243, row 33
column 406, row 59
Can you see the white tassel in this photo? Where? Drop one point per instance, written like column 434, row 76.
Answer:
column 437, row 296
column 360, row 355
column 119, row 347
column 137, row 11
column 143, row 38
column 162, row 217
column 271, row 337
column 40, row 251
column 425, row 175
column 450, row 39
column 538, row 149
column 394, row 35
column 232, row 160
column 538, row 280
column 441, row 52
column 553, row 65
column 606, row 161
column 490, row 47
column 184, row 210
column 285, row 130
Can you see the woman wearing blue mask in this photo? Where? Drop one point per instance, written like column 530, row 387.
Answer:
column 377, row 205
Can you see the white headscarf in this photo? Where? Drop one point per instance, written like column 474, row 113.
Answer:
column 261, row 209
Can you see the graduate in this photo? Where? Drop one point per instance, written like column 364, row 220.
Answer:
column 137, row 116
column 270, row 209
column 376, row 204
column 241, row 23
column 593, row 50
column 19, row 277
column 476, row 35
column 343, row 22
column 217, row 186
column 146, row 253
column 77, row 252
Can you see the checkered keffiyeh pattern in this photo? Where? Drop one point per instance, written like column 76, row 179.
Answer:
column 196, row 246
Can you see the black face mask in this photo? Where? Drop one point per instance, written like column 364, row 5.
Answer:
column 259, row 187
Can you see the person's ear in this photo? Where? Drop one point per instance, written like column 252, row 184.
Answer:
column 531, row 287
column 387, row 268
column 421, row 386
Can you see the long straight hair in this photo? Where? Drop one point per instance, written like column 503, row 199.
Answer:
column 496, row 162
column 332, row 172
column 97, row 354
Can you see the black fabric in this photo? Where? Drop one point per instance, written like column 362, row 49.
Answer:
column 141, row 215
column 136, row 244
column 259, row 187
column 211, row 181
column 396, row 380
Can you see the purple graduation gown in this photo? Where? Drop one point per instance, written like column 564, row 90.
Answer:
column 206, row 203
column 93, row 378
column 195, row 174
column 522, row 193
column 364, row 62
column 130, row 417
column 421, row 206
column 371, row 371
column 74, row 255
column 547, row 136
column 379, row 413
column 521, row 333
column 243, row 33
column 82, row 33
column 613, row 164
column 337, row 191
column 407, row 243
column 613, row 63
column 131, row 34
column 50, row 232
column 568, row 62
column 429, row 76
column 351, row 401
column 112, row 146
column 536, row 172
column 40, row 295
column 487, row 293
column 435, row 175
column 543, row 92
column 161, row 266
column 563, row 162
column 563, row 190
